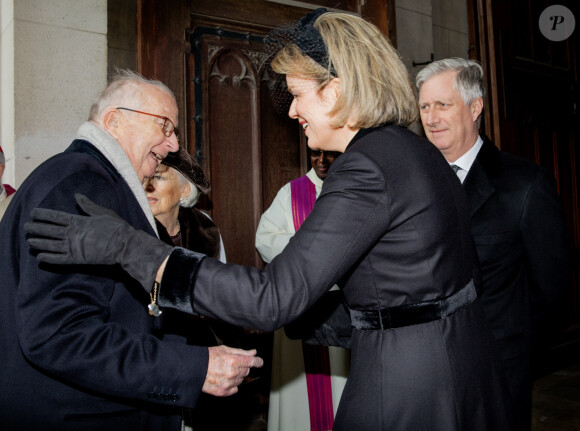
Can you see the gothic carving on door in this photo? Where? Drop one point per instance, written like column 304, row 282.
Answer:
column 235, row 129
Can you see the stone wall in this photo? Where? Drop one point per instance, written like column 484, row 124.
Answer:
column 54, row 64
column 430, row 27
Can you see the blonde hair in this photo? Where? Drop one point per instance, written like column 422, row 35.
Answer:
column 375, row 87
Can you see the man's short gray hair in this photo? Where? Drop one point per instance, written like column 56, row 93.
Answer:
column 469, row 79
column 125, row 89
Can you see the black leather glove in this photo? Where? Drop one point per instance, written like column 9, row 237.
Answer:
column 103, row 238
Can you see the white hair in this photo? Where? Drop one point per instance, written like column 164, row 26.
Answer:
column 125, row 89
column 191, row 199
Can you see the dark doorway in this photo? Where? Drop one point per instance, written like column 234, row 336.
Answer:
column 532, row 111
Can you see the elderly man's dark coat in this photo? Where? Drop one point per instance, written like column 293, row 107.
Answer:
column 79, row 350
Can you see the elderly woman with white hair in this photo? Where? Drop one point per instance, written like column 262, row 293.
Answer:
column 172, row 194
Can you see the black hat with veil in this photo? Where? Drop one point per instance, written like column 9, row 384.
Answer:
column 306, row 37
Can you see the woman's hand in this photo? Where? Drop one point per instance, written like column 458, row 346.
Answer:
column 102, row 238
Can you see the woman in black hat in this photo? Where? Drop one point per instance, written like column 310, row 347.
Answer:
column 172, row 194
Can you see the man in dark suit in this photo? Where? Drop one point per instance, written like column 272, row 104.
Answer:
column 517, row 221
column 81, row 350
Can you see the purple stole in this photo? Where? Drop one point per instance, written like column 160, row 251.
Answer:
column 316, row 360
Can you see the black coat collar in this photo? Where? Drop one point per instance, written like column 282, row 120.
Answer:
column 85, row 147
column 479, row 184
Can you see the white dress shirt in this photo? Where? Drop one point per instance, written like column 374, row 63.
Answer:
column 465, row 161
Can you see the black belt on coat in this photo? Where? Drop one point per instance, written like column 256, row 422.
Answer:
column 413, row 314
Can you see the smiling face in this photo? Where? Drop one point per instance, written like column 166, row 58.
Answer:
column 311, row 106
column 448, row 122
column 141, row 136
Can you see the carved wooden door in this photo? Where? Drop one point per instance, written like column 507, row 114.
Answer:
column 236, row 129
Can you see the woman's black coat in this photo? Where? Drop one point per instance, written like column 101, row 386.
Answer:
column 391, row 227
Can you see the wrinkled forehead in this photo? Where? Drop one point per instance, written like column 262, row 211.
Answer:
column 160, row 102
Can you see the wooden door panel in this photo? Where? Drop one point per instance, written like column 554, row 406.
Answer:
column 283, row 150
column 232, row 87
column 235, row 134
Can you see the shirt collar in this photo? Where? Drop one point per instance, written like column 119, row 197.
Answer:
column 466, row 160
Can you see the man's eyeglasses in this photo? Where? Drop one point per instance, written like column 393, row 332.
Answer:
column 328, row 154
column 168, row 127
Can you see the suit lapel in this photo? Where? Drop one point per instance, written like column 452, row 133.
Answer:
column 478, row 184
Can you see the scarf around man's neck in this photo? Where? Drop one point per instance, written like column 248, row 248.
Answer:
column 111, row 149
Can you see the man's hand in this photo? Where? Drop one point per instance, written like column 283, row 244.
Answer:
column 227, row 368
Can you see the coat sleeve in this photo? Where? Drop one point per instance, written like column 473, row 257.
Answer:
column 327, row 322
column 348, row 218
column 547, row 252
column 85, row 325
